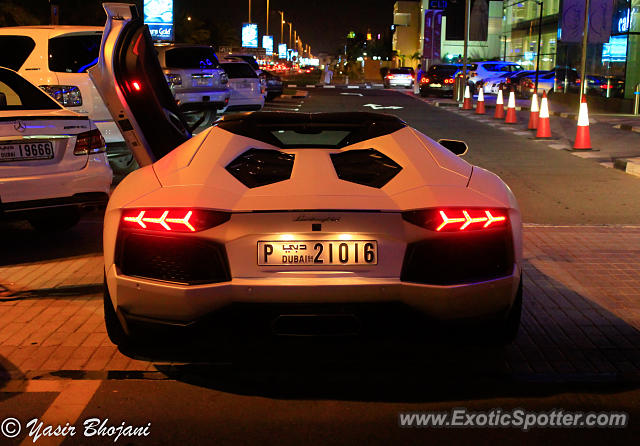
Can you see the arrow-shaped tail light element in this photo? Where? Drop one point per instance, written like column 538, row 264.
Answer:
column 491, row 219
column 457, row 219
column 446, row 220
column 173, row 219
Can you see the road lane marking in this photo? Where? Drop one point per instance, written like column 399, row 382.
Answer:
column 382, row 107
column 73, row 397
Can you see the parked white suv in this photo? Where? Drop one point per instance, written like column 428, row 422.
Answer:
column 56, row 59
column 492, row 69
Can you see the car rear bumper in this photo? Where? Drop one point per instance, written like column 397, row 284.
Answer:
column 400, row 83
column 202, row 100
column 181, row 305
column 96, row 176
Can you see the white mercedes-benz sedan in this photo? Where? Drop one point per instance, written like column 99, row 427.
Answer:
column 52, row 160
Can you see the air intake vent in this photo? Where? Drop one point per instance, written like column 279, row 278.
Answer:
column 367, row 167
column 259, row 167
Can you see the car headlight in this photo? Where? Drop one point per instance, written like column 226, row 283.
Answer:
column 66, row 95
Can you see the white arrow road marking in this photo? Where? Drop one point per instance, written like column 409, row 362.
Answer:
column 382, row 107
column 351, row 94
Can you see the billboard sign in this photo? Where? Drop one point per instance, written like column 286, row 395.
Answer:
column 250, row 35
column 282, row 51
column 158, row 16
column 267, row 44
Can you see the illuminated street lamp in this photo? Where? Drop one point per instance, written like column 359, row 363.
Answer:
column 282, row 22
column 267, row 33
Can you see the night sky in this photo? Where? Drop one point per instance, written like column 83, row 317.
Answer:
column 323, row 24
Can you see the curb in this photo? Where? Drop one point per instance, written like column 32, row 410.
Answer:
column 627, row 127
column 629, row 165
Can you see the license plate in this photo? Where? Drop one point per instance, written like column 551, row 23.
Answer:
column 202, row 81
column 26, row 151
column 435, row 85
column 318, row 252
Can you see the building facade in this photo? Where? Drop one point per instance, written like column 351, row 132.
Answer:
column 406, row 33
column 613, row 52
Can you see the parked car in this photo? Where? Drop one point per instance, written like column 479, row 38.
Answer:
column 491, row 69
column 56, row 58
column 52, row 160
column 439, row 79
column 253, row 63
column 607, row 86
column 225, row 230
column 399, row 77
column 275, row 86
column 246, row 88
column 195, row 76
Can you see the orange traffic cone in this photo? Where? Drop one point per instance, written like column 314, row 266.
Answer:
column 544, row 129
column 499, row 114
column 583, row 139
column 480, row 105
column 511, row 109
column 466, row 104
column 533, row 114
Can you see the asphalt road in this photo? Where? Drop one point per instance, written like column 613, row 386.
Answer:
column 303, row 392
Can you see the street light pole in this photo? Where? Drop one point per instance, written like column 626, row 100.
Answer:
column 541, row 4
column 585, row 41
column 281, row 26
column 460, row 92
column 290, row 29
column 267, row 33
column 249, row 11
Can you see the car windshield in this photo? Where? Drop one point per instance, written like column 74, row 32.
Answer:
column 239, row 71
column 15, row 50
column 400, row 71
column 445, row 70
column 74, row 53
column 191, row 58
column 18, row 94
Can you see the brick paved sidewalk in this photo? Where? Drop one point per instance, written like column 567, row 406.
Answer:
column 581, row 312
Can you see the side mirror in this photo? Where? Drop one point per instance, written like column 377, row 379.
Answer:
column 456, row 147
column 3, row 100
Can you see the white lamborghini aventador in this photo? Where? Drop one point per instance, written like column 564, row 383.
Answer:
column 313, row 214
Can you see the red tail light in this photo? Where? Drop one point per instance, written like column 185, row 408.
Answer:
column 172, row 219
column 136, row 85
column 389, row 76
column 424, row 80
column 89, row 142
column 457, row 219
column 449, row 81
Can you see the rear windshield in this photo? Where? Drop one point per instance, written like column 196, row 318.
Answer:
column 15, row 50
column 18, row 94
column 248, row 59
column 323, row 138
column 400, row 71
column 74, row 54
column 191, row 58
column 443, row 69
column 239, row 70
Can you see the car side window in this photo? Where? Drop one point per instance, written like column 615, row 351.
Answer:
column 11, row 97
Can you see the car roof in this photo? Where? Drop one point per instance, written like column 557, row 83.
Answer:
column 363, row 125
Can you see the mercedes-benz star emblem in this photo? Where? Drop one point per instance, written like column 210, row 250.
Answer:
column 19, row 126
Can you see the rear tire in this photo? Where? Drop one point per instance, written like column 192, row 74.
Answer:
column 115, row 331
column 507, row 330
column 56, row 220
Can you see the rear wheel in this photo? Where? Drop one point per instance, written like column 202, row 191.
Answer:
column 115, row 331
column 507, row 329
column 55, row 220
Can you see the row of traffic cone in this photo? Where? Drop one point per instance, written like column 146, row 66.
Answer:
column 538, row 116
